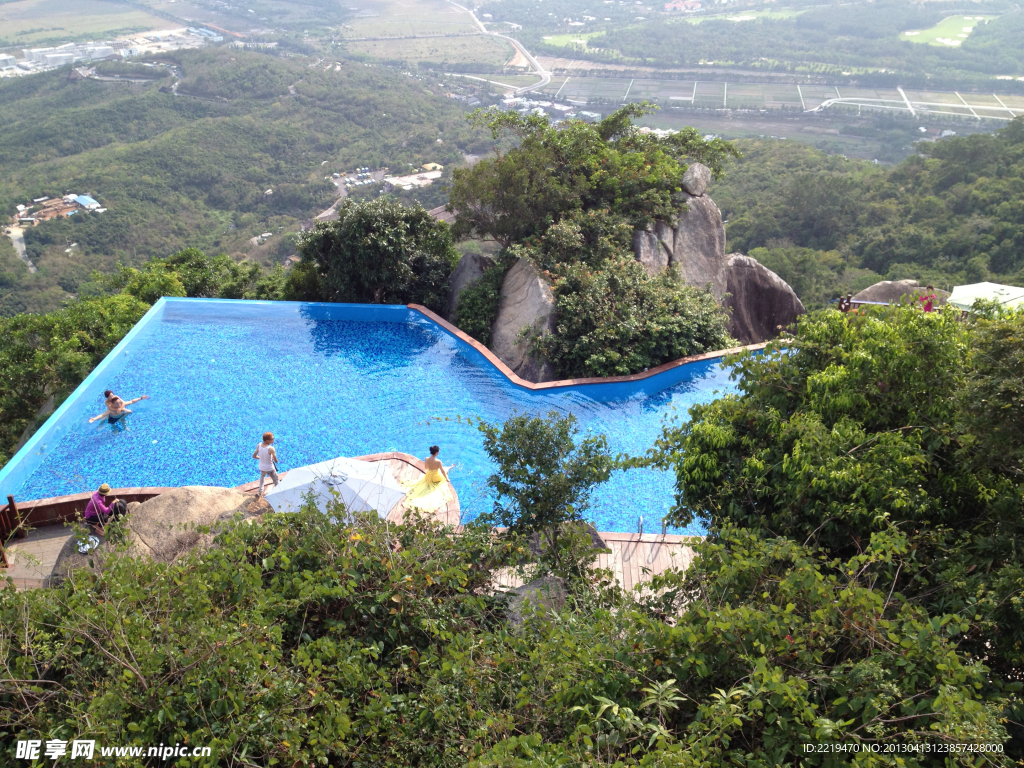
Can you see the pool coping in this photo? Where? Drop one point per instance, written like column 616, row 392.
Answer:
column 512, row 376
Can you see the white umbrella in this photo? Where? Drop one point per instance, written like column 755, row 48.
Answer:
column 360, row 485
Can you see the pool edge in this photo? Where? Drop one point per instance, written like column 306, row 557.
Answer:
column 513, row 377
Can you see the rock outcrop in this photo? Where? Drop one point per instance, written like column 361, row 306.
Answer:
column 526, row 303
column 895, row 291
column 468, row 271
column 761, row 302
column 696, row 179
column 699, row 244
column 546, row 594
column 165, row 527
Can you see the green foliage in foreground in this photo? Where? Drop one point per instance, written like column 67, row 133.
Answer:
column 544, row 478
column 378, row 252
column 898, row 426
column 44, row 356
column 297, row 641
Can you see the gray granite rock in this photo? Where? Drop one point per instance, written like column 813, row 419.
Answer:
column 547, row 593
column 895, row 291
column 468, row 271
column 698, row 246
column 696, row 179
column 526, row 303
column 649, row 250
column 761, row 302
column 165, row 526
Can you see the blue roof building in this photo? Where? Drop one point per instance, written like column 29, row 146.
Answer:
column 85, row 201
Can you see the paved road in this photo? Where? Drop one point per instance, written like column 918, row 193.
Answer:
column 18, row 238
column 544, row 75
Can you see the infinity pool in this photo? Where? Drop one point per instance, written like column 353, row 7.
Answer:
column 329, row 380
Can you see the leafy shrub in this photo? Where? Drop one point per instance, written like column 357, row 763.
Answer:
column 544, row 478
column 890, row 423
column 478, row 303
column 296, row 641
column 380, row 252
column 618, row 320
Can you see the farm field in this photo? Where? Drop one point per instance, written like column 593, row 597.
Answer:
column 475, row 49
column 25, row 22
column 407, row 19
column 951, row 31
column 704, row 94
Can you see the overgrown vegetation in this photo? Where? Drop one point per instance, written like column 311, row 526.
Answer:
column 377, row 252
column 568, row 200
column 478, row 303
column 947, row 216
column 892, row 432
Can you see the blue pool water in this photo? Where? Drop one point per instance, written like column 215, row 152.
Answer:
column 329, row 380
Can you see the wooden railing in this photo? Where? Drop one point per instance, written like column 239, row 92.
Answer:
column 10, row 526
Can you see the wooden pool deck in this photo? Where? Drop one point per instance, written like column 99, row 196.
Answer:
column 633, row 560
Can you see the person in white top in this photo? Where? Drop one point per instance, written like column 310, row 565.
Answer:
column 268, row 460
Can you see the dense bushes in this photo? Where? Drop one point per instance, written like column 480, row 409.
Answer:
column 618, row 320
column 898, row 427
column 568, row 200
column 478, row 303
column 299, row 641
column 378, row 252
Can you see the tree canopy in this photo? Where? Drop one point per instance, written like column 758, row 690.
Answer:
column 553, row 172
column 379, row 252
column 894, row 426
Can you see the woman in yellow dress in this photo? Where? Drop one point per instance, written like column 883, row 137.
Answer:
column 431, row 492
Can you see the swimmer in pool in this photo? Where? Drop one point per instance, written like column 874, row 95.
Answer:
column 116, row 407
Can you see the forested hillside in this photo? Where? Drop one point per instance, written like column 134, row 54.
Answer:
column 952, row 214
column 193, row 169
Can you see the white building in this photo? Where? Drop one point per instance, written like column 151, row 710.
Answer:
column 7, row 61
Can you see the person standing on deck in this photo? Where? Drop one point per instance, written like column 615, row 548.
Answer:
column 268, row 460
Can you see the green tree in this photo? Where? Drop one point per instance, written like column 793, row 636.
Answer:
column 618, row 320
column 892, row 423
column 545, row 477
column 379, row 252
column 578, row 166
column 151, row 283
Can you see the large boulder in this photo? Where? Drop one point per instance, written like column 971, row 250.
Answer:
column 696, row 179
column 546, row 594
column 760, row 301
column 698, row 243
column 526, row 303
column 469, row 270
column 165, row 526
column 162, row 528
column 895, row 291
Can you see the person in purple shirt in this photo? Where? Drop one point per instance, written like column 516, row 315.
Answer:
column 98, row 510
